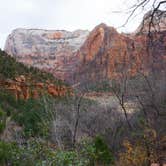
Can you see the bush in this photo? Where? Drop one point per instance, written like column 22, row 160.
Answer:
column 33, row 117
column 11, row 154
column 37, row 153
column 2, row 120
column 97, row 152
column 6, row 152
column 68, row 158
column 133, row 155
column 103, row 154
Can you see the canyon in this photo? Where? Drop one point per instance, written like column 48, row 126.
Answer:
column 81, row 54
column 82, row 94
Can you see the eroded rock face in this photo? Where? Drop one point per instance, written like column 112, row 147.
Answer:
column 46, row 49
column 22, row 88
column 109, row 54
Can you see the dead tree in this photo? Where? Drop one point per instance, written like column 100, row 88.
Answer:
column 120, row 91
column 77, row 107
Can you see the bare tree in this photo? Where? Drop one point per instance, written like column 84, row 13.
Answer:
column 120, row 91
column 154, row 6
column 78, row 105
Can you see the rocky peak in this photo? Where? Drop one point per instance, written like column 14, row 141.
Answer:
column 97, row 40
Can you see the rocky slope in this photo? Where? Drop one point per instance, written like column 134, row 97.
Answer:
column 50, row 50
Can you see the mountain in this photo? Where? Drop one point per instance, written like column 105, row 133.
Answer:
column 103, row 52
column 109, row 54
column 50, row 50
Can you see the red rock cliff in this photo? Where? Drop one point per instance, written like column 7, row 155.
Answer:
column 108, row 54
column 102, row 53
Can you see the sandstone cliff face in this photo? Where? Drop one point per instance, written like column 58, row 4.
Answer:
column 46, row 49
column 23, row 88
column 108, row 54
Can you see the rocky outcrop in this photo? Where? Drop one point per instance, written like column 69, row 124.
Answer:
column 22, row 88
column 49, row 50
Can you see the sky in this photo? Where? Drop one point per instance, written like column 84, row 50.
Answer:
column 63, row 15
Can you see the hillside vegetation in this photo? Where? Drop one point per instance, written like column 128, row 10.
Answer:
column 25, row 124
column 10, row 68
column 57, row 127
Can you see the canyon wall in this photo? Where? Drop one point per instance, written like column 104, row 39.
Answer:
column 103, row 52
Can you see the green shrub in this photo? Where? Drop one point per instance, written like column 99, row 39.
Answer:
column 6, row 152
column 8, row 102
column 31, row 114
column 2, row 120
column 34, row 153
column 37, row 153
column 33, row 117
column 68, row 158
column 103, row 154
column 97, row 152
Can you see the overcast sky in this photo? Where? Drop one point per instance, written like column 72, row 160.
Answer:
column 62, row 14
